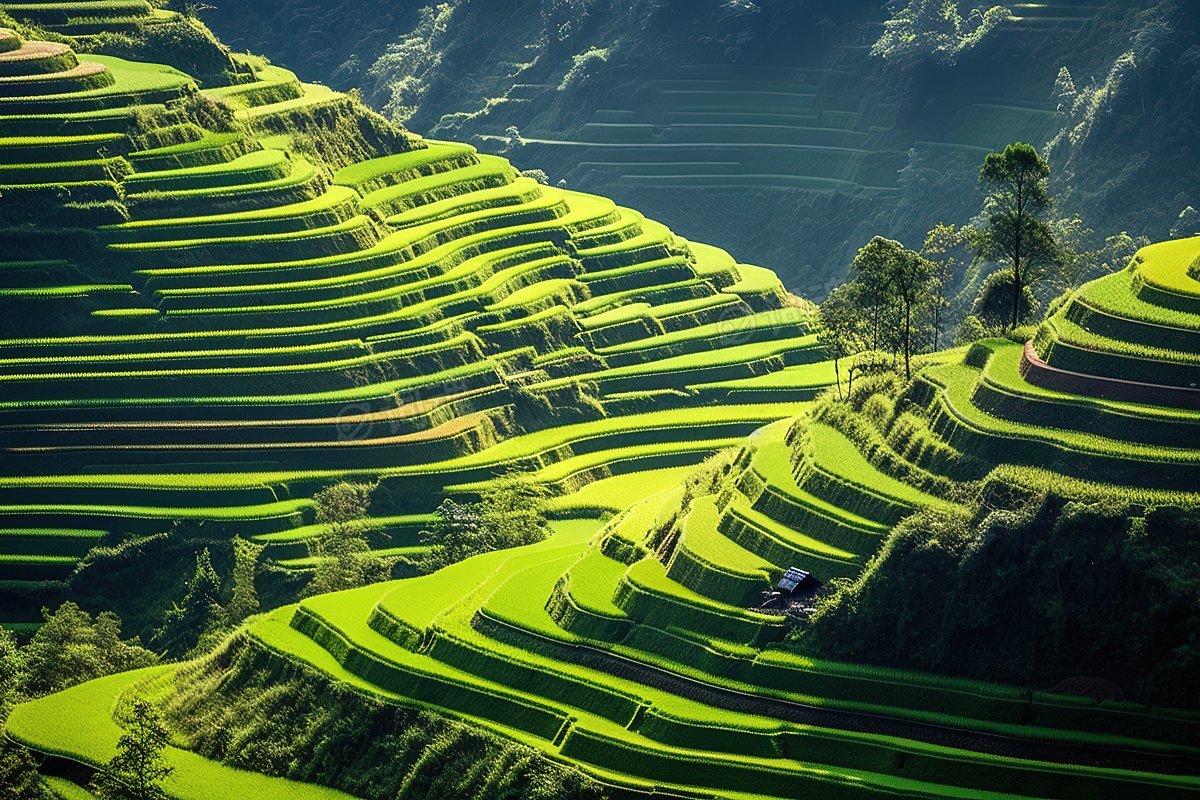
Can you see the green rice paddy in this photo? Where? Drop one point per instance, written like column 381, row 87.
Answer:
column 428, row 320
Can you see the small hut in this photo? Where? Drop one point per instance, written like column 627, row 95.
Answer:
column 797, row 582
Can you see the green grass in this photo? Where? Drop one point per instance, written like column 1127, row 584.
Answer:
column 91, row 739
column 1166, row 266
column 389, row 170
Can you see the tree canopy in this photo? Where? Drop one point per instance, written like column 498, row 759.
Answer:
column 340, row 552
column 73, row 647
column 139, row 768
column 1017, row 182
column 935, row 30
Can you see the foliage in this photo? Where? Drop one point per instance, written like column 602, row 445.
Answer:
column 1018, row 195
column 457, row 533
column 910, row 277
column 12, row 671
column 73, row 647
column 892, row 287
column 243, row 601
column 1079, row 263
column 512, row 508
column 196, row 618
column 239, row 706
column 139, row 768
column 342, row 552
column 538, row 175
column 585, row 67
column 935, row 30
column 562, row 20
column 405, row 70
column 510, row 513
column 19, row 777
column 1188, row 224
column 1031, row 595
column 993, row 305
column 841, row 329
column 184, row 43
column 947, row 248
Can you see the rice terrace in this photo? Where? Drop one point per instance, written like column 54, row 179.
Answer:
column 393, row 406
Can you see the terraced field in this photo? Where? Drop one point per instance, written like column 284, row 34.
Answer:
column 263, row 324
column 731, row 127
column 653, row 678
column 83, row 17
column 740, row 126
column 632, row 648
column 751, row 127
column 246, row 323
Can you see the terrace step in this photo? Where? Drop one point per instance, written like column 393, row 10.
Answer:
column 85, row 76
column 34, row 58
column 261, row 166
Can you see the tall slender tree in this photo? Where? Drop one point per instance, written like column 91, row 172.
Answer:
column 944, row 247
column 909, row 278
column 841, row 328
column 1017, row 182
column 871, row 271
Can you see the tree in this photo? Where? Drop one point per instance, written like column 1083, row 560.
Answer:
column 1071, row 235
column 457, row 533
column 343, row 504
column 935, row 29
column 992, row 305
column 909, row 279
column 510, row 513
column 192, row 10
column 1017, row 182
column 19, row 778
column 342, row 551
column 891, row 282
column 871, row 270
column 1188, row 223
column 139, row 768
column 512, row 510
column 12, row 671
column 1064, row 93
column 1078, row 263
column 840, row 328
column 945, row 247
column 72, row 647
column 198, row 615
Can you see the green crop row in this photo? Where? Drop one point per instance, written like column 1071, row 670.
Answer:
column 960, row 423
column 647, row 595
column 370, row 176
column 489, row 172
column 711, row 565
column 1064, row 345
column 1003, row 392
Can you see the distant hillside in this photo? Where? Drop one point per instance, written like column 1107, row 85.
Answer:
column 769, row 126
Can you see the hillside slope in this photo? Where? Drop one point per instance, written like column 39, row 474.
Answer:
column 215, row 308
column 770, row 126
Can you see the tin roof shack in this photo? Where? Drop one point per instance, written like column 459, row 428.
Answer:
column 795, row 594
column 796, row 580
